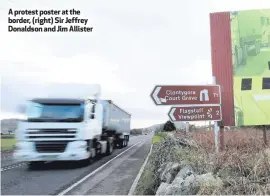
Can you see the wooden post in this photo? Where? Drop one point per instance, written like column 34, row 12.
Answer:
column 221, row 136
column 264, row 135
column 216, row 133
column 221, row 132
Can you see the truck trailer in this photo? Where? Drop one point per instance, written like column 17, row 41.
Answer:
column 70, row 129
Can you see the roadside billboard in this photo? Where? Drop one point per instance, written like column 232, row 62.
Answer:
column 250, row 42
column 240, row 45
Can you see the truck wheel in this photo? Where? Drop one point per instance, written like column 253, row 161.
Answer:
column 35, row 165
column 124, row 142
column 98, row 150
column 127, row 139
column 87, row 162
column 121, row 143
column 110, row 146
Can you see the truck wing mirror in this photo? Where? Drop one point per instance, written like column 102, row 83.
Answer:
column 93, row 109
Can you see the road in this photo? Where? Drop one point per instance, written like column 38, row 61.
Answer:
column 114, row 178
column 6, row 160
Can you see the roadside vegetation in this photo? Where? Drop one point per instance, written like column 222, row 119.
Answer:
column 7, row 144
column 158, row 137
column 184, row 165
column 8, row 127
column 136, row 132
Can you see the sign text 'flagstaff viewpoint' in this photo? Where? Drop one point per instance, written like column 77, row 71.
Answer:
column 195, row 113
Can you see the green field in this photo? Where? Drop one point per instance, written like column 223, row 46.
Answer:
column 7, row 144
column 250, row 32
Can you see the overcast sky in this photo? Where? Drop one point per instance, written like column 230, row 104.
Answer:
column 134, row 46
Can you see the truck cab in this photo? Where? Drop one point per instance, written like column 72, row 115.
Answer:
column 57, row 129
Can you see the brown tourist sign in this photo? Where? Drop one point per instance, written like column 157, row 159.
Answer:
column 195, row 113
column 187, row 95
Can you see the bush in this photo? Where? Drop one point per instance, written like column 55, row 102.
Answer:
column 136, row 132
column 169, row 126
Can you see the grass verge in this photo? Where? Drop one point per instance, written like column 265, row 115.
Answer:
column 147, row 183
column 158, row 137
column 7, row 144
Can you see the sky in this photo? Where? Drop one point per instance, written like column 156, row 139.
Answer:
column 134, row 46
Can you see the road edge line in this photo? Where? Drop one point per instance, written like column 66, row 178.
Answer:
column 135, row 182
column 15, row 165
column 93, row 172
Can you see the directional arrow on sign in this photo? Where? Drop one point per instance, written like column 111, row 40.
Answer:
column 171, row 114
column 155, row 95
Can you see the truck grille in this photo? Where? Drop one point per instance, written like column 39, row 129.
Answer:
column 50, row 134
column 51, row 146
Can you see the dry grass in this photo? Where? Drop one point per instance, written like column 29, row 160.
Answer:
column 244, row 138
column 244, row 164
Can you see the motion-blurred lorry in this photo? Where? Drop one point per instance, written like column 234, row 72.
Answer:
column 70, row 129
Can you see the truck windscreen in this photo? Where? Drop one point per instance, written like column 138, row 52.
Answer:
column 39, row 112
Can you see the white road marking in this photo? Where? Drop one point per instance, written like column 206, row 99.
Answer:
column 6, row 168
column 95, row 171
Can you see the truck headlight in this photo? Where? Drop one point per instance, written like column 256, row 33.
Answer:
column 22, row 145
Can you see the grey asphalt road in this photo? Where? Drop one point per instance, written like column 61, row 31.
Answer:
column 115, row 178
column 6, row 159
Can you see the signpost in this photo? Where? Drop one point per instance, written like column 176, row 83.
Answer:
column 186, row 95
column 195, row 113
column 191, row 103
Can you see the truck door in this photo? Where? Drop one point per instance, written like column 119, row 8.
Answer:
column 95, row 119
column 99, row 116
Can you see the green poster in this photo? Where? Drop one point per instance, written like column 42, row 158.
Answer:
column 250, row 31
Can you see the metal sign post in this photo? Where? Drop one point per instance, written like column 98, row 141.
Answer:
column 187, row 128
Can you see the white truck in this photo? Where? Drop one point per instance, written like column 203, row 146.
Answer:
column 70, row 129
